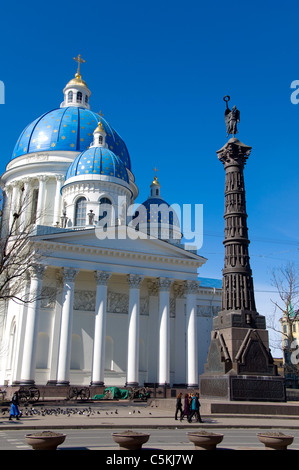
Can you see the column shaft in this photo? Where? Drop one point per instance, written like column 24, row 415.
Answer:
column 192, row 347
column 133, row 330
column 29, row 355
column 57, row 205
column 98, row 364
column 64, row 357
column 164, row 332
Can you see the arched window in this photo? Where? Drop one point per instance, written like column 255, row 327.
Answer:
column 100, row 139
column 80, row 212
column 79, row 97
column 70, row 96
column 105, row 212
column 86, row 99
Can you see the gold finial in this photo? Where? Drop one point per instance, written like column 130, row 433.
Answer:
column 155, row 177
column 80, row 61
column 99, row 127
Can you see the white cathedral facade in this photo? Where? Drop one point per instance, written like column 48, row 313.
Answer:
column 114, row 303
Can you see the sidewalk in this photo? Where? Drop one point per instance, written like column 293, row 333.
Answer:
column 120, row 416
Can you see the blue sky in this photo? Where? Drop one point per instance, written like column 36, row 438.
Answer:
column 158, row 71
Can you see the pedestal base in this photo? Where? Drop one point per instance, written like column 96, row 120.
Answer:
column 243, row 387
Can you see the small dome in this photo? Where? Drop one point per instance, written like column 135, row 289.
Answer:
column 68, row 129
column 98, row 161
column 156, row 210
column 77, row 81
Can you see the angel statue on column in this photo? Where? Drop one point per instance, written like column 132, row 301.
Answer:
column 232, row 117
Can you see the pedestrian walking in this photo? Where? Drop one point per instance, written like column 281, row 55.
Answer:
column 187, row 408
column 195, row 408
column 14, row 408
column 178, row 407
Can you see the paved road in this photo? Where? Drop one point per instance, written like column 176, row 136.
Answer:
column 160, row 439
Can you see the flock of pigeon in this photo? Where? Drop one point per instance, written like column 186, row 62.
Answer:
column 31, row 411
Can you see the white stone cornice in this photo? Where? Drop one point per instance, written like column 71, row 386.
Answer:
column 116, row 253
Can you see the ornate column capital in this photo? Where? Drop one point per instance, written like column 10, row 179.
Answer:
column 43, row 178
column 135, row 280
column 69, row 274
column 234, row 153
column 37, row 271
column 191, row 287
column 59, row 177
column 164, row 284
column 102, row 277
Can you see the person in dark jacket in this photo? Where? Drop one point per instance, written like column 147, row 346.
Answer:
column 187, row 409
column 14, row 408
column 178, row 407
column 195, row 408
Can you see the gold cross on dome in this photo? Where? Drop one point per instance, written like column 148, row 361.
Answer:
column 155, row 170
column 80, row 61
column 100, row 113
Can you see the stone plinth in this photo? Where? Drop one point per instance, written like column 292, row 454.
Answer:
column 242, row 387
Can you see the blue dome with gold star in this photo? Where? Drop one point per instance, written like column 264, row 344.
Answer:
column 68, row 129
column 98, row 161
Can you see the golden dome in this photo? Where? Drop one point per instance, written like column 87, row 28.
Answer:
column 77, row 81
column 100, row 128
column 155, row 181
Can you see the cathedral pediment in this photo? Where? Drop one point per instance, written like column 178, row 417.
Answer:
column 123, row 243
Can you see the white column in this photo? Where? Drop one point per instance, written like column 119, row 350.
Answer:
column 153, row 340
column 179, row 334
column 98, row 364
column 15, row 201
column 58, row 198
column 26, row 203
column 41, row 199
column 133, row 330
column 164, row 332
column 64, row 357
column 192, row 347
column 29, row 355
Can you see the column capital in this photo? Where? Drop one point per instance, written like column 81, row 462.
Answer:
column 102, row 277
column 135, row 280
column 69, row 274
column 164, row 283
column 37, row 271
column 191, row 287
column 59, row 177
column 43, row 178
column 15, row 184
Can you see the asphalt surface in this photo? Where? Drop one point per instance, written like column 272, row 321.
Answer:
column 118, row 415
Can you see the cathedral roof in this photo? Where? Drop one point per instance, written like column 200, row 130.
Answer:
column 69, row 129
column 98, row 161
